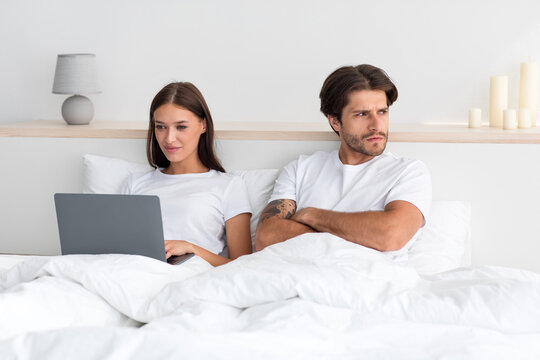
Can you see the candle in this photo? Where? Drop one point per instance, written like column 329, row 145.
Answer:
column 524, row 118
column 475, row 118
column 509, row 119
column 528, row 88
column 498, row 100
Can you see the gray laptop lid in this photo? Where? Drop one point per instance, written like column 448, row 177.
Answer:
column 110, row 224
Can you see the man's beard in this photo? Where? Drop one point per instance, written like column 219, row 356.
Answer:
column 358, row 144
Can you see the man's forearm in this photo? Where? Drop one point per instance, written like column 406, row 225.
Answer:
column 360, row 229
column 381, row 230
column 275, row 230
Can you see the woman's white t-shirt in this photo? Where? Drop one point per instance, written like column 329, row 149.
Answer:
column 194, row 207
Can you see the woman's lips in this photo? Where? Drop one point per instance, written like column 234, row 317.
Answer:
column 172, row 149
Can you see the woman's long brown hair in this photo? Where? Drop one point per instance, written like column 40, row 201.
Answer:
column 187, row 96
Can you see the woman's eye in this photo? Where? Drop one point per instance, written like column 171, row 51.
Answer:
column 181, row 127
column 160, row 127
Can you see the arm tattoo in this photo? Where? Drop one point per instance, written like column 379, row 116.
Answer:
column 282, row 208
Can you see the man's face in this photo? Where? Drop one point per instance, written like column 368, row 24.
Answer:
column 364, row 124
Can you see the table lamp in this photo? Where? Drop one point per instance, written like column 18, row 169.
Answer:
column 76, row 74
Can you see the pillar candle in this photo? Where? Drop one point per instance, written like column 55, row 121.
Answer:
column 509, row 119
column 498, row 100
column 528, row 88
column 475, row 117
column 524, row 118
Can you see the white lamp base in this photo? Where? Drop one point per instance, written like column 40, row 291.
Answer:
column 77, row 110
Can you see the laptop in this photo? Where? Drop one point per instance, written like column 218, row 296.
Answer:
column 112, row 224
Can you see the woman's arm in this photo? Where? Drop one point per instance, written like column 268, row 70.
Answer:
column 238, row 235
column 238, row 241
column 181, row 247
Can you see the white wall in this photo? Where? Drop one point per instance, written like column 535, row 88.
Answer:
column 265, row 60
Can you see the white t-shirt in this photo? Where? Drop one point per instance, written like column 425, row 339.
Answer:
column 194, row 207
column 321, row 180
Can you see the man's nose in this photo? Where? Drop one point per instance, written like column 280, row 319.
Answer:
column 375, row 121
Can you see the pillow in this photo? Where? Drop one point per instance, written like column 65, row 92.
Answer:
column 105, row 175
column 444, row 243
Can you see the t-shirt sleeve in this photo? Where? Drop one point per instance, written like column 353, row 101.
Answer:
column 127, row 186
column 236, row 199
column 285, row 186
column 414, row 186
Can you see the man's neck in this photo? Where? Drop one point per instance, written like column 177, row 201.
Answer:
column 349, row 157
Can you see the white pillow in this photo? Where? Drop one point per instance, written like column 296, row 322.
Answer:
column 104, row 175
column 442, row 245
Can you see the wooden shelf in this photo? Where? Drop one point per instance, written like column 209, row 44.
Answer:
column 433, row 132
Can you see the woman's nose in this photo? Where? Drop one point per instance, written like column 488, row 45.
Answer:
column 171, row 135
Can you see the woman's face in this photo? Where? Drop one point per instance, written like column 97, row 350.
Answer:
column 177, row 132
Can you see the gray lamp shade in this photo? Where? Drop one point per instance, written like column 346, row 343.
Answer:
column 76, row 74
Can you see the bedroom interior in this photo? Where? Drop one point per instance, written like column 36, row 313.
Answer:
column 474, row 278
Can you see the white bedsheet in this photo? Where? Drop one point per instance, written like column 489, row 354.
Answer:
column 315, row 296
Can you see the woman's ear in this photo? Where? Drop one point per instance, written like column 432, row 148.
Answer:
column 203, row 121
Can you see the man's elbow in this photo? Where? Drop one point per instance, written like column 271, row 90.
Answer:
column 263, row 237
column 394, row 238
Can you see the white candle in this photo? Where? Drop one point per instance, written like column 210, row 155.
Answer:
column 524, row 118
column 475, row 117
column 528, row 88
column 509, row 119
column 498, row 100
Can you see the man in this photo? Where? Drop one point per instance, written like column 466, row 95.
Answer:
column 358, row 192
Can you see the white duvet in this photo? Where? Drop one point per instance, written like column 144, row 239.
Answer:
column 314, row 296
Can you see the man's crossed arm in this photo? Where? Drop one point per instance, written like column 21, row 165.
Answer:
column 275, row 224
column 385, row 230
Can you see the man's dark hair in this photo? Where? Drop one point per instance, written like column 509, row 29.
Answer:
column 339, row 84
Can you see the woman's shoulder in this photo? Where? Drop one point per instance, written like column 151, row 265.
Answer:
column 133, row 181
column 228, row 181
column 142, row 176
column 225, row 178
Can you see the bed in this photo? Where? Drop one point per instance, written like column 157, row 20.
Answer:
column 314, row 296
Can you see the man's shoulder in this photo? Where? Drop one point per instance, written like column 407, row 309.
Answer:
column 390, row 158
column 319, row 156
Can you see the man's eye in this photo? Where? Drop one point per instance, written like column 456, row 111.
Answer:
column 361, row 114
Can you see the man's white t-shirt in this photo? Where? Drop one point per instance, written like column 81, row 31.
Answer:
column 321, row 180
column 194, row 207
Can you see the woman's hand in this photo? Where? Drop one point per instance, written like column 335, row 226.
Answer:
column 177, row 247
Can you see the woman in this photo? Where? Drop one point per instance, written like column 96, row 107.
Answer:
column 199, row 202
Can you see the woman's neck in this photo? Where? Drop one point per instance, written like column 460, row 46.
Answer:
column 185, row 167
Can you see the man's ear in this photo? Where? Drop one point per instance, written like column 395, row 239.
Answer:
column 334, row 123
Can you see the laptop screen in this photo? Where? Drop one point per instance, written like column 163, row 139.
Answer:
column 110, row 224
